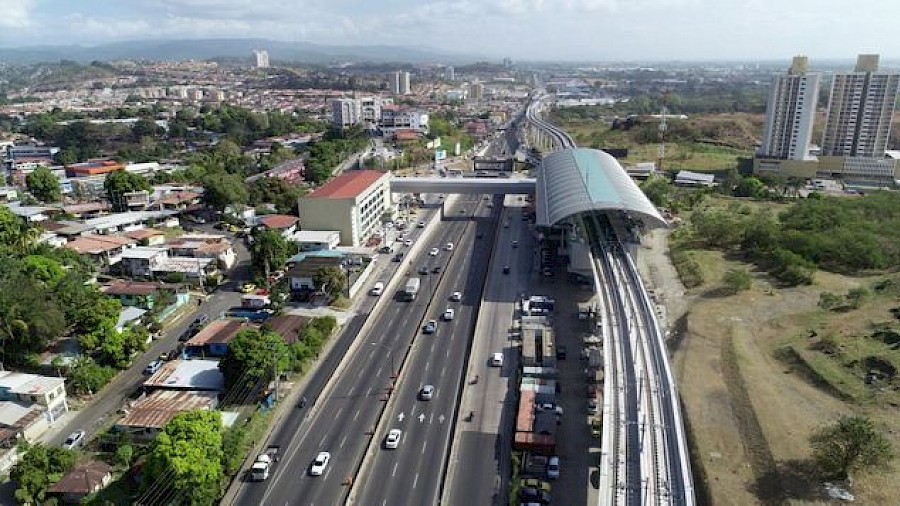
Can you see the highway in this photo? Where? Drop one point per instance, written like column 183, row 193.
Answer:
column 343, row 414
column 411, row 474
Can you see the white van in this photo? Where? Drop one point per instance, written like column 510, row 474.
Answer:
column 378, row 289
column 497, row 360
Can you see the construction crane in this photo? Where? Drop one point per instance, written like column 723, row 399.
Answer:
column 663, row 125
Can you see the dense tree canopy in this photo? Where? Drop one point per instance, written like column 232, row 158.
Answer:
column 43, row 185
column 39, row 469
column 253, row 355
column 187, row 457
column 330, row 280
column 269, row 251
column 118, row 183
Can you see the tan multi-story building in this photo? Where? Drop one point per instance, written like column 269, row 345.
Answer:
column 860, row 108
column 352, row 203
column 790, row 113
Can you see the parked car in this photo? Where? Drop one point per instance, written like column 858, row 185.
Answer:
column 533, row 495
column 152, row 367
column 74, row 440
column 536, row 483
column 553, row 468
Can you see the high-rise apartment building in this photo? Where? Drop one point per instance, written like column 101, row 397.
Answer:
column 400, row 83
column 450, row 73
column 262, row 58
column 790, row 112
column 404, row 83
column 345, row 112
column 476, row 91
column 860, row 108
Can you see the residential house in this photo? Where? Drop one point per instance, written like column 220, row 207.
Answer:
column 213, row 340
column 127, row 316
column 87, row 210
column 288, row 326
column 104, row 250
column 316, row 240
column 195, row 375
column 283, row 223
column 84, row 479
column 136, row 293
column 146, row 419
column 179, row 201
column 301, row 274
column 29, row 403
column 141, row 262
column 147, row 236
column 214, row 246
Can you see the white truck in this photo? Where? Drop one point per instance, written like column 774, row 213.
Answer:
column 262, row 467
column 412, row 288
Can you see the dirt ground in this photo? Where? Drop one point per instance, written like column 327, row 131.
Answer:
column 749, row 415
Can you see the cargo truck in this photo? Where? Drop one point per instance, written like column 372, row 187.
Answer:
column 411, row 289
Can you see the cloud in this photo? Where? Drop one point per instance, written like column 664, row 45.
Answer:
column 16, row 13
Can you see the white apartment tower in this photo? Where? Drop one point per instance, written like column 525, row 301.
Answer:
column 404, row 83
column 790, row 112
column 262, row 58
column 450, row 73
column 860, row 108
column 345, row 112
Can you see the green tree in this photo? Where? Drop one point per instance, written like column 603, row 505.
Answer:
column 118, row 183
column 750, row 187
column 658, row 189
column 222, row 190
column 86, row 376
column 187, row 457
column 330, row 280
column 44, row 269
column 737, row 280
column 38, row 469
column 269, row 251
column 829, row 301
column 850, row 444
column 253, row 355
column 43, row 185
column 856, row 296
column 124, row 455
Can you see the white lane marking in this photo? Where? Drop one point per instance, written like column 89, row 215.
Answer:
column 431, row 418
column 416, row 480
column 322, row 442
column 343, row 440
column 378, row 373
column 369, row 392
column 424, row 445
column 394, row 471
column 426, row 365
column 443, row 370
column 357, row 414
column 448, row 353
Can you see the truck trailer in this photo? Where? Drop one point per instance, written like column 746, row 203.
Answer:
column 411, row 289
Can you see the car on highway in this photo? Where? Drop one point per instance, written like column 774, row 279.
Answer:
column 74, row 440
column 385, row 249
column 449, row 314
column 505, row 269
column 398, row 257
column 515, row 244
column 152, row 367
column 317, row 468
column 407, row 242
column 456, row 297
column 423, row 270
column 420, row 224
column 448, row 246
column 392, row 441
column 547, row 272
column 497, row 359
column 433, row 252
column 436, row 269
column 553, row 468
column 426, row 393
column 378, row 289
column 430, row 327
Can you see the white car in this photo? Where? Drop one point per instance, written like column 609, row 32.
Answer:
column 449, row 313
column 392, row 441
column 74, row 440
column 449, row 246
column 407, row 242
column 497, row 360
column 318, row 466
column 433, row 252
column 553, row 468
column 456, row 297
column 549, row 406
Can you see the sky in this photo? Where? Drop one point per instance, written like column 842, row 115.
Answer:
column 594, row 30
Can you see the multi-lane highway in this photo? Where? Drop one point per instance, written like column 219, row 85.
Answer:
column 343, row 417
column 411, row 473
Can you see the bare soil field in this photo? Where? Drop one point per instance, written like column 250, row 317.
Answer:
column 750, row 413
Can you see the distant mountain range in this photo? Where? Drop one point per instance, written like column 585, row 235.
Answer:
column 205, row 49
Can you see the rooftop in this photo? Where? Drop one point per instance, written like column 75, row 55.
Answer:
column 144, row 233
column 84, row 478
column 187, row 375
column 308, row 266
column 158, row 408
column 143, row 252
column 314, row 235
column 135, row 288
column 278, row 221
column 28, row 384
column 348, row 185
column 219, row 331
column 288, row 326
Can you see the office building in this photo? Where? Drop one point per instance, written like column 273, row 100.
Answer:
column 262, row 58
column 476, row 91
column 351, row 204
column 395, row 83
column 790, row 113
column 344, row 113
column 450, row 73
column 860, row 107
column 400, row 83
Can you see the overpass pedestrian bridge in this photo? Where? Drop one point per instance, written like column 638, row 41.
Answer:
column 569, row 182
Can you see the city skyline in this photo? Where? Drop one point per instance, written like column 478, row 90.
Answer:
column 566, row 30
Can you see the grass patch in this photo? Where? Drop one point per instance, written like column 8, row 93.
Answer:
column 515, row 463
column 688, row 268
column 341, row 303
column 239, row 440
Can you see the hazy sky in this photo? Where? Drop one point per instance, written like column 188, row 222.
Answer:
column 522, row 29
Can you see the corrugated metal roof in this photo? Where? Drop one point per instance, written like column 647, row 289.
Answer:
column 578, row 180
column 158, row 408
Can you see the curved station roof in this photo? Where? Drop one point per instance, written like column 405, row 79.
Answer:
column 579, row 180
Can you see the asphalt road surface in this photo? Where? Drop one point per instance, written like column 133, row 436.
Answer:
column 412, row 473
column 344, row 412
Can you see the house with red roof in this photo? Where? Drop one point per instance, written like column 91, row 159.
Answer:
column 284, row 224
column 352, row 203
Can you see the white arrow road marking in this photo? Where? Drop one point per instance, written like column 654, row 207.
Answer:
column 441, row 419
column 422, row 418
column 400, row 417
